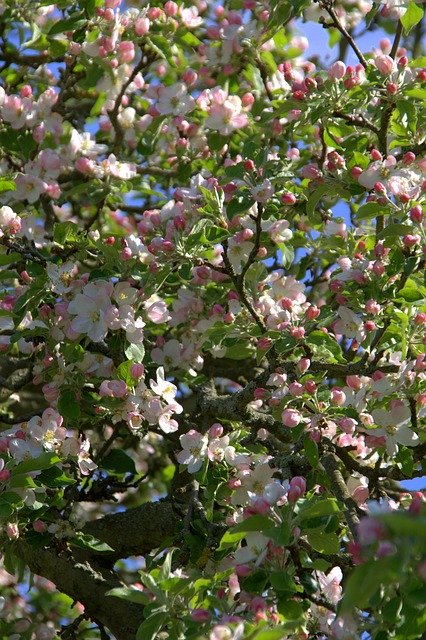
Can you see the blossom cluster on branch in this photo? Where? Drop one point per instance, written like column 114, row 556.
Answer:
column 212, row 320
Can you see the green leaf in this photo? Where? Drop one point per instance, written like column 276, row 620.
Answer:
column 311, row 451
column 317, row 508
column 123, row 373
column 254, row 523
column 237, row 533
column 44, row 461
column 393, row 230
column 161, row 46
column 129, row 594
column 239, row 351
column 272, row 634
column 166, row 567
column 135, row 352
column 370, row 210
column 65, row 232
column 404, row 524
column 412, row 16
column 323, row 542
column 149, row 582
column 117, row 461
column 7, row 258
column 68, row 405
column 85, row 541
column 315, row 197
column 69, row 24
column 412, row 292
column 365, row 581
column 7, row 185
column 189, row 39
column 151, row 626
column 325, row 346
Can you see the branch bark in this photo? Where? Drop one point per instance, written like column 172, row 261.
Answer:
column 85, row 583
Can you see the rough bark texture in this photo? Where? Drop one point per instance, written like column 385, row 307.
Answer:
column 86, row 583
column 136, row 531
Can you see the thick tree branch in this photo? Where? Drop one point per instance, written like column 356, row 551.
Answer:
column 86, row 583
column 136, row 531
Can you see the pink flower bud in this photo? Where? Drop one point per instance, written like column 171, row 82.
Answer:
column 369, row 325
column 298, row 481
column 84, row 165
column 137, row 370
column 12, row 531
column 411, row 240
column 297, row 332
column 416, row 213
column 216, row 430
column 337, row 70
column 303, row 364
column 199, row 615
column 126, row 254
column 288, row 198
column 312, row 312
column 379, row 187
column 347, row 425
column 378, row 268
column 291, row 418
column 420, row 318
column 170, row 8
column 338, row 396
column 310, row 387
column 360, row 494
column 373, row 307
column 392, row 88
column 190, row 77
column 4, row 475
column 375, row 154
column 384, row 64
column 142, row 26
column 247, row 99
column 39, row 526
column 296, row 389
column 243, row 570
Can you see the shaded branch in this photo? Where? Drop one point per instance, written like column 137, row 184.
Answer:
column 136, row 531
column 87, row 583
column 339, row 489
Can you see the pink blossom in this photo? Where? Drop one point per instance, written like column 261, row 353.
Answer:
column 194, row 450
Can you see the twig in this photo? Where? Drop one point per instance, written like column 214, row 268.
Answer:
column 356, row 120
column 395, row 45
column 113, row 113
column 338, row 487
column 327, row 5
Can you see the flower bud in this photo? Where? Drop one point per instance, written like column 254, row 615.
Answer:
column 337, row 70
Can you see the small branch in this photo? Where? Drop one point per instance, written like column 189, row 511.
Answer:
column 397, row 39
column 328, row 6
column 113, row 113
column 264, row 75
column 356, row 120
column 240, row 289
column 319, row 601
column 339, row 489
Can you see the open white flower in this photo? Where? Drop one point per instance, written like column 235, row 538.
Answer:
column 349, row 324
column 394, row 426
column 194, row 450
column 162, row 387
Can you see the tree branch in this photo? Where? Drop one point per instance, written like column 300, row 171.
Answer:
column 86, row 583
